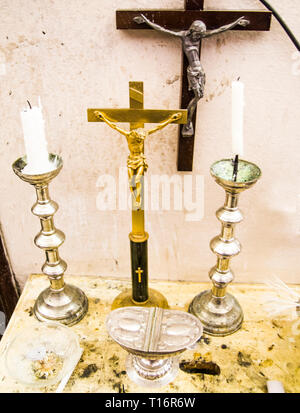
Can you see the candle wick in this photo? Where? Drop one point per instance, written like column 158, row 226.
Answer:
column 29, row 104
column 238, row 79
column 235, row 167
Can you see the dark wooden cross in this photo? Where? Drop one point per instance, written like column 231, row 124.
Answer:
column 181, row 20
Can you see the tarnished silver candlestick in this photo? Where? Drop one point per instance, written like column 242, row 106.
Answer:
column 220, row 312
column 153, row 337
column 60, row 302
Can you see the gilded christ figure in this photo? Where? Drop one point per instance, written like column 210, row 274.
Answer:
column 136, row 161
column 191, row 39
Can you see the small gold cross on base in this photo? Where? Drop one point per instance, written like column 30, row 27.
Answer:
column 139, row 272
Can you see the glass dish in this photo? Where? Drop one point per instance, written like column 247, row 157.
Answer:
column 43, row 354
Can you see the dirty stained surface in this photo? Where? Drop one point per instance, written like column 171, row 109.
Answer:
column 266, row 348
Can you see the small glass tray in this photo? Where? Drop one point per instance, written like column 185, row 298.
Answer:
column 43, row 354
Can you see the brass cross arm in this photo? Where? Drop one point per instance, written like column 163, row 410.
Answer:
column 137, row 115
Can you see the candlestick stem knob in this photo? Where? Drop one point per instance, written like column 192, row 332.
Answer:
column 60, row 302
column 220, row 312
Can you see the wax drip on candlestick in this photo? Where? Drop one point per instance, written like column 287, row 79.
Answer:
column 235, row 167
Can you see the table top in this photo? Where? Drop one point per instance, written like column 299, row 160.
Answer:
column 265, row 348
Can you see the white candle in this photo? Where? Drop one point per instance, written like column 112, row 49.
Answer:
column 35, row 141
column 237, row 118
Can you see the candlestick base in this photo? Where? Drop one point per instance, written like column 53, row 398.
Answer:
column 156, row 299
column 67, row 306
column 220, row 316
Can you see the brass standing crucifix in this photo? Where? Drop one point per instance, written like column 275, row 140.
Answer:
column 192, row 25
column 137, row 116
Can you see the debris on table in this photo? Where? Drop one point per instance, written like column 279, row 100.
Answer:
column 48, row 367
column 200, row 365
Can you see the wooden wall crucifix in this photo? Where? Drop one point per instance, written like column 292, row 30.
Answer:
column 169, row 21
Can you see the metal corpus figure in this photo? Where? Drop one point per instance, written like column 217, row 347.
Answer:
column 191, row 39
column 136, row 162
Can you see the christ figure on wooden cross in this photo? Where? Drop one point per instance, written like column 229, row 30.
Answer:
column 191, row 39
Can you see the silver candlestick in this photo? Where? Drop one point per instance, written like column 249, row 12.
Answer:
column 60, row 302
column 220, row 312
column 154, row 338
